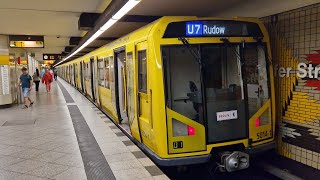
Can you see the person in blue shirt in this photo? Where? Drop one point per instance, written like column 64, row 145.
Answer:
column 25, row 82
column 42, row 72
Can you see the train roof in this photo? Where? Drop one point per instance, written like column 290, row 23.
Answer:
column 148, row 30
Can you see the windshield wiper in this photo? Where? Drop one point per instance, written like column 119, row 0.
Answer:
column 195, row 54
column 227, row 43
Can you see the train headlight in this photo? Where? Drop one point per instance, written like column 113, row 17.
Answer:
column 257, row 122
column 191, row 131
column 181, row 129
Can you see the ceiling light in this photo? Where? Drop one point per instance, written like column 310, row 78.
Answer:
column 125, row 9
column 97, row 34
column 108, row 24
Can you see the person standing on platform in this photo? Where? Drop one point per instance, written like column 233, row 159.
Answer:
column 25, row 82
column 42, row 72
column 55, row 72
column 47, row 79
column 51, row 72
column 36, row 79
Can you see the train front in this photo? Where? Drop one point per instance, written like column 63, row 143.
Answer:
column 219, row 93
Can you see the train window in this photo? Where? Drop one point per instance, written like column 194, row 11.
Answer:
column 76, row 72
column 221, row 79
column 142, row 69
column 71, row 73
column 111, row 62
column 111, row 82
column 85, row 70
column 183, row 80
column 87, row 76
column 107, row 67
column 101, row 81
column 256, row 77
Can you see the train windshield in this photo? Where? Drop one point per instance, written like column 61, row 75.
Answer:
column 212, row 83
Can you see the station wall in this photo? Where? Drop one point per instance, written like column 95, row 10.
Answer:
column 295, row 38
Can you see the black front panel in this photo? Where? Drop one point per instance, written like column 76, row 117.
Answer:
column 226, row 121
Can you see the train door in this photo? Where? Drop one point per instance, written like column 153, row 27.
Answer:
column 67, row 73
column 130, row 90
column 93, row 79
column 120, row 61
column 71, row 74
column 143, row 95
column 81, row 76
column 75, row 75
column 113, row 74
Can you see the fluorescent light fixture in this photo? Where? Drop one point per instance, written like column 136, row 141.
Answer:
column 97, row 34
column 108, row 24
column 123, row 11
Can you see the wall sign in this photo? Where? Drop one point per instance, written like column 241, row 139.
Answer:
column 303, row 71
column 4, row 71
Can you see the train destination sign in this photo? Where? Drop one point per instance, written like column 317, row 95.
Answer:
column 216, row 28
column 200, row 29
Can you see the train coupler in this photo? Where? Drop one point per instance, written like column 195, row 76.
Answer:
column 233, row 161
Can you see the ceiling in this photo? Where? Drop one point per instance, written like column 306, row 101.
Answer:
column 220, row 8
column 51, row 18
column 225, row 8
column 59, row 18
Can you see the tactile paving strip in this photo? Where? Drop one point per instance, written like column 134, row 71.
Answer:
column 95, row 164
column 65, row 93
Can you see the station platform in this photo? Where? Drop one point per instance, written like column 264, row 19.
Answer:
column 64, row 136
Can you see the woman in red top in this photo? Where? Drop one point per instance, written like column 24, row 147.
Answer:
column 47, row 79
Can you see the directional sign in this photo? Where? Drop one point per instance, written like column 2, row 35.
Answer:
column 26, row 41
column 26, row 44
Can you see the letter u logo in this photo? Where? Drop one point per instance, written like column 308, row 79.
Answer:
column 190, row 28
column 193, row 29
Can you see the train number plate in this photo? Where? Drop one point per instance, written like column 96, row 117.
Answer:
column 264, row 134
column 227, row 115
column 177, row 144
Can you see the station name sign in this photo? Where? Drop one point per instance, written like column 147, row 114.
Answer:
column 213, row 28
column 25, row 41
column 51, row 57
column 303, row 70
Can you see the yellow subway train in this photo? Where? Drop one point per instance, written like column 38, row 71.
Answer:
column 187, row 90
